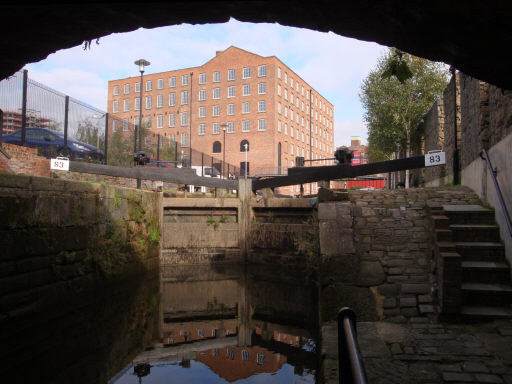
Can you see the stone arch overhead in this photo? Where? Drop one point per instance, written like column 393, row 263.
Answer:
column 473, row 36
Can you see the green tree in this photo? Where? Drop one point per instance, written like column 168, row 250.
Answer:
column 396, row 95
column 120, row 150
column 89, row 132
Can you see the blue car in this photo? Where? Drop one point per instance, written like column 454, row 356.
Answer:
column 51, row 144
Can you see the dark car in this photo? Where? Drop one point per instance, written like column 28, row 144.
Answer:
column 51, row 143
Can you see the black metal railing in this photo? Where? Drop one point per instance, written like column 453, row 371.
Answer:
column 498, row 191
column 350, row 363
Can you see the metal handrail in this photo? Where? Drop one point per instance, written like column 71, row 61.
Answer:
column 498, row 191
column 1, row 125
column 350, row 363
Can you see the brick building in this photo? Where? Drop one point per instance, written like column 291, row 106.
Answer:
column 235, row 98
column 360, row 151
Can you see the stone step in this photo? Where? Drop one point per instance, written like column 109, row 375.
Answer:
column 480, row 251
column 441, row 221
column 485, row 272
column 443, row 235
column 483, row 294
column 475, row 232
column 467, row 214
column 486, row 312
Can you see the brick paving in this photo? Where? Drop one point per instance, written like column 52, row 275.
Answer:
column 427, row 350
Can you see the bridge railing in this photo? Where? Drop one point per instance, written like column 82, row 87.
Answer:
column 350, row 364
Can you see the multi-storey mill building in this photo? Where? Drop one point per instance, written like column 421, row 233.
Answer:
column 235, row 98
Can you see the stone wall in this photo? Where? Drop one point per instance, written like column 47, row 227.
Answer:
column 376, row 252
column 24, row 160
column 62, row 244
column 500, row 114
column 433, row 128
column 449, row 105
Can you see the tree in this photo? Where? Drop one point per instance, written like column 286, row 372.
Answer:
column 396, row 95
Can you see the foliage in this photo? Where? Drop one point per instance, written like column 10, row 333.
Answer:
column 120, row 150
column 396, row 95
column 89, row 132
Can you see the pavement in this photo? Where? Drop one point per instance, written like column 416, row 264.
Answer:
column 427, row 350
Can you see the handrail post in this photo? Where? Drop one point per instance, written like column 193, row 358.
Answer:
column 498, row 191
column 350, row 363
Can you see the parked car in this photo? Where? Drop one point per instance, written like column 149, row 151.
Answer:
column 51, row 143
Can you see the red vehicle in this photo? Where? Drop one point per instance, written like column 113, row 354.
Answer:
column 161, row 164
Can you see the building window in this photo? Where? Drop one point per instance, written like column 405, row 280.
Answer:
column 115, row 125
column 116, row 90
column 148, row 122
column 262, row 106
column 246, row 126
column 217, row 147
column 137, row 87
column 148, row 141
column 231, row 109
column 247, row 72
column 172, row 120
column 184, row 140
column 172, row 99
column 172, row 139
column 216, row 76
column 184, row 80
column 262, row 125
column 202, row 95
column 160, row 101
column 291, row 82
column 262, row 88
column 149, row 85
column 148, row 102
column 202, row 129
column 184, row 118
column 160, row 84
column 216, row 110
column 278, row 125
column 244, row 146
column 125, row 124
column 126, row 105
column 231, row 75
column 202, row 78
column 278, row 72
column 231, row 127
column 115, row 106
column 126, row 89
column 172, row 82
column 216, row 128
column 216, row 93
column 137, row 104
column 160, row 121
column 184, row 97
column 260, row 358
column 202, row 111
column 246, row 107
column 262, row 71
column 279, row 89
column 246, row 90
column 245, row 355
column 244, row 167
column 231, row 91
column 279, row 108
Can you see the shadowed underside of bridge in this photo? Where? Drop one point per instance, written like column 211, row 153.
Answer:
column 473, row 36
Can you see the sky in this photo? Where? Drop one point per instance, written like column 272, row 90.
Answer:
column 334, row 65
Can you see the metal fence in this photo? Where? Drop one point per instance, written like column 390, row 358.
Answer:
column 26, row 104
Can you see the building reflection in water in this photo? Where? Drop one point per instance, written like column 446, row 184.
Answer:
column 237, row 321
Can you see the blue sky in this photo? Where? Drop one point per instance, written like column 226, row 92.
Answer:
column 334, row 65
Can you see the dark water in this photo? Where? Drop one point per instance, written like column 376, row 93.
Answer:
column 221, row 324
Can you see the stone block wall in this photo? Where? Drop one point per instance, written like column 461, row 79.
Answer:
column 433, row 128
column 376, row 252
column 449, row 106
column 24, row 160
column 500, row 114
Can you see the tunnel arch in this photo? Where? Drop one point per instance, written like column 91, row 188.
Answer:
column 473, row 37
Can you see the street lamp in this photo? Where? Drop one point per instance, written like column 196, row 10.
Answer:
column 223, row 148
column 141, row 63
column 246, row 147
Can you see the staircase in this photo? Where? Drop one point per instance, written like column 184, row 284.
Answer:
column 486, row 290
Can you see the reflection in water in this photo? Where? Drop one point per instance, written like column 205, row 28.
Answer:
column 225, row 324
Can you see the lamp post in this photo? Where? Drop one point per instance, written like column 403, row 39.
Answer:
column 141, row 63
column 223, row 149
column 245, row 148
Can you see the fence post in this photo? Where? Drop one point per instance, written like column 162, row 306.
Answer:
column 202, row 164
column 66, row 116
column 1, row 125
column 158, row 147
column 24, row 108
column 176, row 153
column 106, row 139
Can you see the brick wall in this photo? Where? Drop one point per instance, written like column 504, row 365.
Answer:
column 24, row 160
